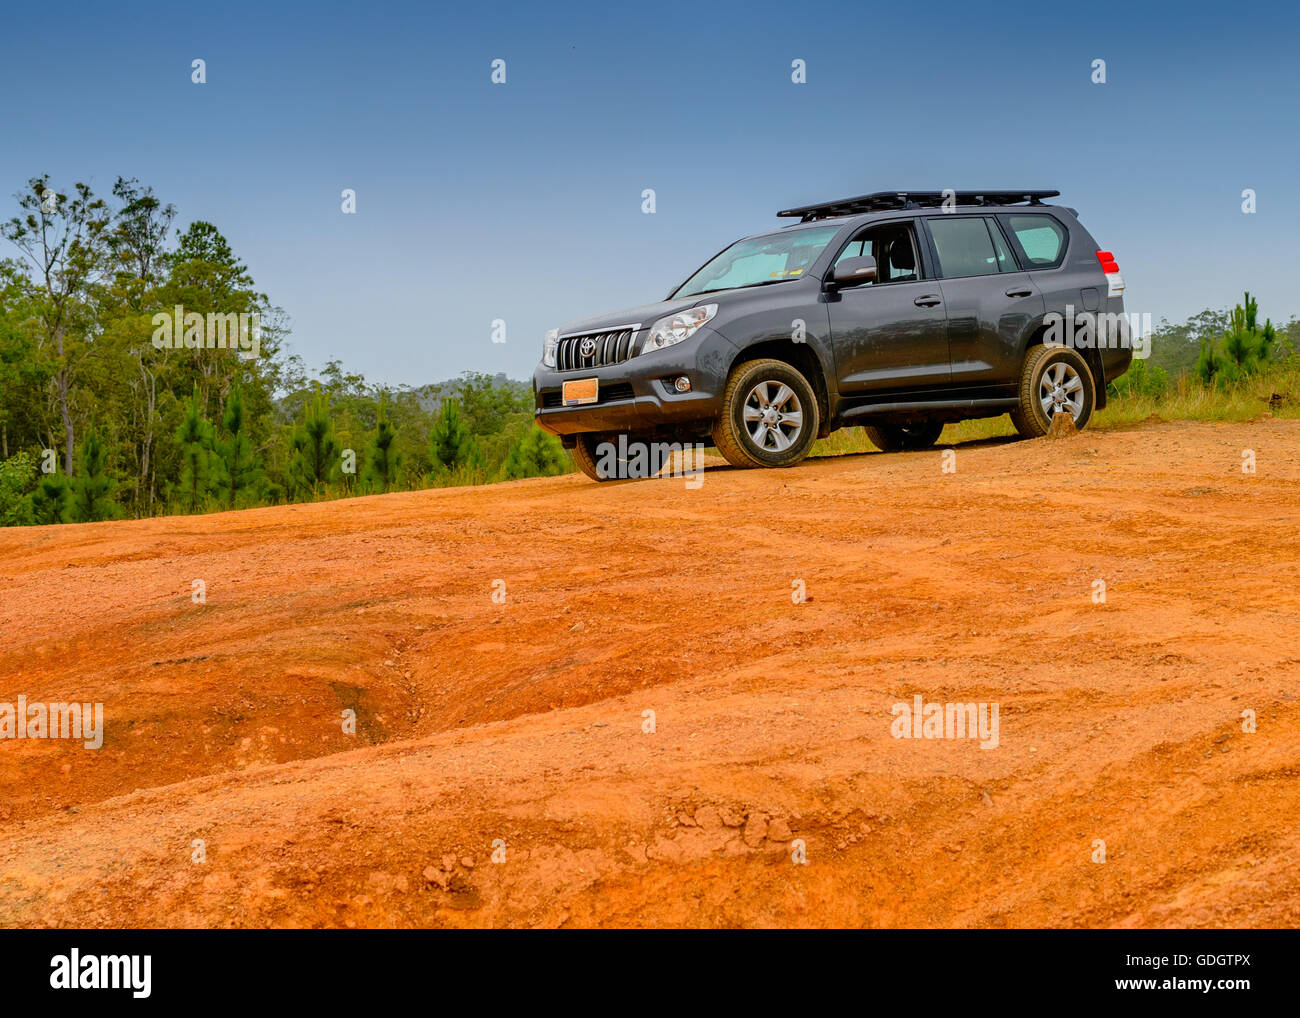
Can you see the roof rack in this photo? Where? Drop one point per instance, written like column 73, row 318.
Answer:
column 882, row 201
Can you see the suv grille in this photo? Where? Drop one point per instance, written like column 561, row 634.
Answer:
column 613, row 346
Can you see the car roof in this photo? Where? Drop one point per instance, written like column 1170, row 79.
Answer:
column 883, row 215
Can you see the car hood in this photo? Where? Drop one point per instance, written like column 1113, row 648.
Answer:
column 645, row 315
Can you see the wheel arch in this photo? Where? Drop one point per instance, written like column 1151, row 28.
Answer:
column 1035, row 335
column 803, row 358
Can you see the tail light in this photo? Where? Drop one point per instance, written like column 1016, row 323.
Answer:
column 1114, row 281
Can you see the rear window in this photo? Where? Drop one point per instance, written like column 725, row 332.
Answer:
column 1041, row 239
column 965, row 247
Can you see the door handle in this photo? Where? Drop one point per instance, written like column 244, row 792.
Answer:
column 928, row 300
column 1019, row 292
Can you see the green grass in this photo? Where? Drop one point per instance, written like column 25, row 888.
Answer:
column 1187, row 399
column 1184, row 399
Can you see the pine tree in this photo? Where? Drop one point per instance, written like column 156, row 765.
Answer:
column 239, row 471
column 199, row 473
column 537, row 454
column 314, row 459
column 453, row 444
column 1246, row 347
column 382, row 460
column 92, row 489
column 51, row 501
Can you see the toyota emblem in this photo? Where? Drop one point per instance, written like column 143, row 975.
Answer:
column 588, row 347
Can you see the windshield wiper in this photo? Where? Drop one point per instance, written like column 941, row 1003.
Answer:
column 742, row 286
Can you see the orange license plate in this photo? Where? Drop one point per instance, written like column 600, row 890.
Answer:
column 579, row 391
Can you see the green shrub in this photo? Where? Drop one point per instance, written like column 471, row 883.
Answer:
column 17, row 482
column 537, row 454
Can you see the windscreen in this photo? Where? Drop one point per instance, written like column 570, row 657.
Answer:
column 775, row 258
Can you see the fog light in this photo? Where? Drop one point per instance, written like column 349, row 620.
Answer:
column 682, row 384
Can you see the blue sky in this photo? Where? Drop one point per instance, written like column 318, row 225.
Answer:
column 522, row 201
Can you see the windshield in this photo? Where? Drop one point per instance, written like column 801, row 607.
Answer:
column 775, row 258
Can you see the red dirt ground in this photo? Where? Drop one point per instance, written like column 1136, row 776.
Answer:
column 522, row 723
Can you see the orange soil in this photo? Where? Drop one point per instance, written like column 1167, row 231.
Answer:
column 522, row 723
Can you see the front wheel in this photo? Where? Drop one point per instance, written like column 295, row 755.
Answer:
column 1054, row 380
column 601, row 456
column 769, row 416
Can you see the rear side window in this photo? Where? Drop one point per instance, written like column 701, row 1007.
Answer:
column 965, row 247
column 1041, row 239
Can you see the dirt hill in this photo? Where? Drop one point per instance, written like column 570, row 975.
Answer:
column 765, row 787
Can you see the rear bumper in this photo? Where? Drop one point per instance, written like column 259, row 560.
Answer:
column 1117, row 349
column 638, row 394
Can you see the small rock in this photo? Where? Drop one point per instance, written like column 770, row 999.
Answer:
column 755, row 829
column 1062, row 426
column 435, row 876
column 779, row 830
column 708, row 818
column 577, row 627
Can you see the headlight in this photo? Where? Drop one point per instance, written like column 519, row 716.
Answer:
column 675, row 328
column 548, row 347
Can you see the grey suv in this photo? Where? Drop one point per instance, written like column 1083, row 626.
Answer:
column 899, row 311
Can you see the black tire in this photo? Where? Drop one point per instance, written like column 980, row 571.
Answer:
column 1031, row 418
column 904, row 437
column 785, row 434
column 587, row 455
column 584, row 454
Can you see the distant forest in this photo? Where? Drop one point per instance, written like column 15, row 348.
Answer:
column 131, row 386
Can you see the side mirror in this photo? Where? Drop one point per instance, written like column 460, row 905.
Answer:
column 852, row 271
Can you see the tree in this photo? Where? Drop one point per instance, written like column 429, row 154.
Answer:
column 140, row 231
column 1207, row 364
column 537, row 454
column 51, row 501
column 64, row 239
column 453, row 444
column 195, row 438
column 25, row 370
column 92, row 488
column 382, row 460
column 203, row 242
column 313, row 460
column 239, row 472
column 1245, row 348
column 487, row 402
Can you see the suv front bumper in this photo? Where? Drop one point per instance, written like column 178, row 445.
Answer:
column 638, row 394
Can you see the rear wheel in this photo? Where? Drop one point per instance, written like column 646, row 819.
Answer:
column 904, row 437
column 769, row 416
column 1054, row 380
